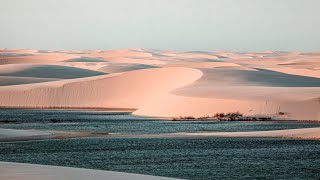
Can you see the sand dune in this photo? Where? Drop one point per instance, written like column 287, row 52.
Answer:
column 94, row 66
column 85, row 59
column 42, row 58
column 206, row 65
column 297, row 71
column 122, row 53
column 19, row 171
column 123, row 67
column 19, row 51
column 193, row 83
column 303, row 61
column 234, row 76
column 127, row 90
column 250, row 92
column 134, row 60
column 45, row 71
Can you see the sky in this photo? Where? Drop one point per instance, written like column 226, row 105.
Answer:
column 183, row 25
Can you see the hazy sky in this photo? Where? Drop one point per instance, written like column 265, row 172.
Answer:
column 239, row 25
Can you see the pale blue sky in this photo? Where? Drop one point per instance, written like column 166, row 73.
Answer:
column 210, row 25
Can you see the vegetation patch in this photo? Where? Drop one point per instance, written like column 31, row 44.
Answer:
column 230, row 116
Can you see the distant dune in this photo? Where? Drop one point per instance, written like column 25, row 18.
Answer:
column 283, row 85
column 85, row 59
column 123, row 67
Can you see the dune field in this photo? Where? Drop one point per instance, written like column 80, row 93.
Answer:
column 282, row 85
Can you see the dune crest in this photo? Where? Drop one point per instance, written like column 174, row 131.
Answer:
column 127, row 90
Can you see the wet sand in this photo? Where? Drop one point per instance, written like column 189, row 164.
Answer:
column 30, row 135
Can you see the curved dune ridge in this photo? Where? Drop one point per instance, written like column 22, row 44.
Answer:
column 165, row 83
column 21, row 171
column 127, row 90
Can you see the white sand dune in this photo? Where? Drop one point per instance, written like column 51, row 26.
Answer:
column 303, row 61
column 250, row 92
column 196, row 55
column 297, row 71
column 20, row 171
column 127, row 90
column 19, row 51
column 189, row 83
column 41, row 58
column 94, row 66
column 207, row 65
column 85, row 59
column 121, row 53
column 134, row 60
column 45, row 71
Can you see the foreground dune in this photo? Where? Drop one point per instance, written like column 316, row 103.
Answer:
column 19, row 171
column 128, row 90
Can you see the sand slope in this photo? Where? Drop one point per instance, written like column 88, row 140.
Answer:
column 128, row 90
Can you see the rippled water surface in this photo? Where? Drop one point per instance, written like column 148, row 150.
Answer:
column 67, row 120
column 190, row 158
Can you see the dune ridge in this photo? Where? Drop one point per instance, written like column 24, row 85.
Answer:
column 102, row 91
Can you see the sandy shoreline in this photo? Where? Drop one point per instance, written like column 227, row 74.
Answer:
column 70, row 108
column 13, row 135
column 23, row 171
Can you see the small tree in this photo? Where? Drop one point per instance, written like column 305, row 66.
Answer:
column 219, row 115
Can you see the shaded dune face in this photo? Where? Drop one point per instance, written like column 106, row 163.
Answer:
column 165, row 83
column 261, row 77
column 12, row 80
column 46, row 71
